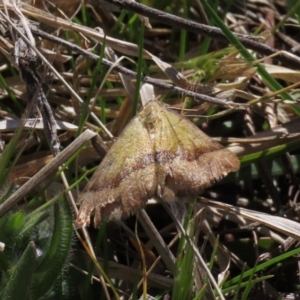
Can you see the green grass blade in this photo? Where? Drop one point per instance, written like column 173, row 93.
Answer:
column 262, row 266
column 184, row 278
column 55, row 258
column 20, row 280
column 269, row 80
column 139, row 70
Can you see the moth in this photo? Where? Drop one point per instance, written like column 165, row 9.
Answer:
column 159, row 154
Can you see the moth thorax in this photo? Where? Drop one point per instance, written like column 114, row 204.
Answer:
column 150, row 121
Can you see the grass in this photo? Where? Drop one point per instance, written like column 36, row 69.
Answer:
column 240, row 241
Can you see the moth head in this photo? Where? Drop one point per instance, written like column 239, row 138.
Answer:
column 149, row 116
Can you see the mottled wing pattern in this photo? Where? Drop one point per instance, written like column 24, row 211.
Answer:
column 159, row 153
column 187, row 159
column 124, row 180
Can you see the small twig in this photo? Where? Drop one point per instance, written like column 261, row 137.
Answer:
column 210, row 31
column 157, row 241
column 132, row 74
column 45, row 172
column 26, row 60
column 195, row 250
column 56, row 73
column 35, row 94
